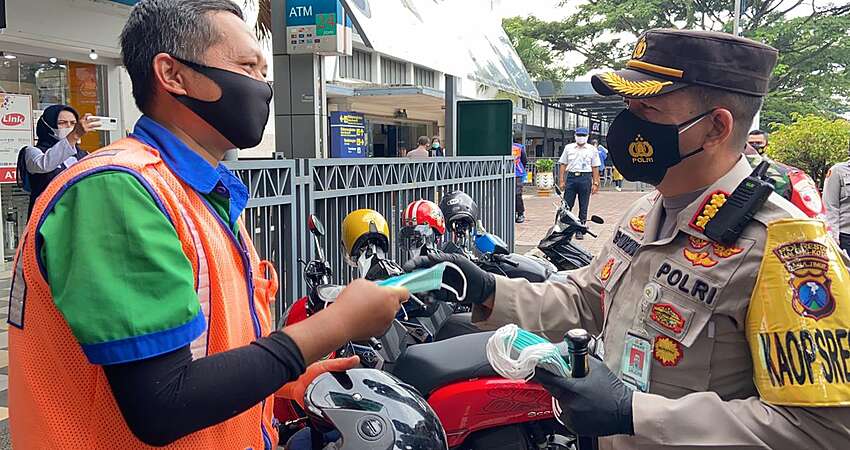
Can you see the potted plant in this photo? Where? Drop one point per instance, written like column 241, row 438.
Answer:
column 543, row 176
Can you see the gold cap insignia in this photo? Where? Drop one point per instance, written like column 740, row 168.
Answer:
column 634, row 88
column 640, row 48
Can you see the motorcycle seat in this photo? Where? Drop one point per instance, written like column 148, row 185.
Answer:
column 430, row 366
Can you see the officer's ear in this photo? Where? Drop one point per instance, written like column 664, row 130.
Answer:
column 721, row 130
column 177, row 78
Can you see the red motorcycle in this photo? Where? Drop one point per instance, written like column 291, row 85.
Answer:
column 478, row 409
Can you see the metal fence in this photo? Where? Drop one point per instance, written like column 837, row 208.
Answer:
column 285, row 192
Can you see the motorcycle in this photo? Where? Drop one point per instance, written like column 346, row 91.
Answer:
column 557, row 246
column 478, row 409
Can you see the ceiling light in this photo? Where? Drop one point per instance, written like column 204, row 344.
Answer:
column 93, row 55
column 7, row 55
column 54, row 60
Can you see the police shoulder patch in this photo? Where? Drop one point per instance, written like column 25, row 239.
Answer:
column 799, row 317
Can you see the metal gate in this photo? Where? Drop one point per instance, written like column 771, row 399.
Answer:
column 285, row 192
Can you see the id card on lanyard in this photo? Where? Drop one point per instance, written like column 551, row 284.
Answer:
column 637, row 352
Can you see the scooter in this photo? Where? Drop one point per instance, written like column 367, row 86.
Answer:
column 557, row 246
column 478, row 409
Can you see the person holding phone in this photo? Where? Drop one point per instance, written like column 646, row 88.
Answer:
column 58, row 130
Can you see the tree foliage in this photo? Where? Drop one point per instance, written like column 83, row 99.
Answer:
column 812, row 75
column 536, row 55
column 811, row 143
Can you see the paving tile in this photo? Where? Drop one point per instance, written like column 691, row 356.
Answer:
column 4, row 358
column 540, row 215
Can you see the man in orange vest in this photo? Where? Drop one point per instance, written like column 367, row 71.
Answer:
column 140, row 308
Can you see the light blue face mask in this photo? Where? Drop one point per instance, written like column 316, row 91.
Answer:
column 425, row 280
column 515, row 353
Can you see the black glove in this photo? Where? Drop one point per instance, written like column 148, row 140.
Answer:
column 596, row 405
column 480, row 285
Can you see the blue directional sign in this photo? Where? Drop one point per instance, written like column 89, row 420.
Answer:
column 348, row 135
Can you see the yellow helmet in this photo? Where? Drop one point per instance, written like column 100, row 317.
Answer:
column 362, row 226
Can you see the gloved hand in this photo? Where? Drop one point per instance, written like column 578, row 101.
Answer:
column 596, row 405
column 294, row 390
column 480, row 285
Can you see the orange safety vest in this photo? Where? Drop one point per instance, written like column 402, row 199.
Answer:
column 57, row 398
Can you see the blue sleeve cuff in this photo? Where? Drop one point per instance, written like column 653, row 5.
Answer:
column 145, row 346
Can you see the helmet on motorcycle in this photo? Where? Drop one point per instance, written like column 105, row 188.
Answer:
column 424, row 212
column 459, row 207
column 361, row 227
column 372, row 409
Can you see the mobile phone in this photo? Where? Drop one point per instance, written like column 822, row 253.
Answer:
column 106, row 123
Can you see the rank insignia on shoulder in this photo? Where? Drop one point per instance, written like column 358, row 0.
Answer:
column 708, row 210
column 698, row 243
column 667, row 351
column 638, row 223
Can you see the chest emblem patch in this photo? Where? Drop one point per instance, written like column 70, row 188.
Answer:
column 667, row 316
column 607, row 269
column 667, row 351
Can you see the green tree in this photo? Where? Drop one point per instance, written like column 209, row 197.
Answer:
column 811, row 143
column 536, row 55
column 812, row 75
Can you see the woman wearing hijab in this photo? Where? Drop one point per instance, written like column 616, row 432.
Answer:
column 58, row 130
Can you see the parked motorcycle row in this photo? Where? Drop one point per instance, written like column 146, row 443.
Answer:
column 426, row 383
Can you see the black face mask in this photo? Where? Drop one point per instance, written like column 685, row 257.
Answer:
column 242, row 111
column 758, row 146
column 643, row 150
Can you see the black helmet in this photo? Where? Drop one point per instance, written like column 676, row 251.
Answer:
column 372, row 409
column 459, row 207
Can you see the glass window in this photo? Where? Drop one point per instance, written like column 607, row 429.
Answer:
column 50, row 81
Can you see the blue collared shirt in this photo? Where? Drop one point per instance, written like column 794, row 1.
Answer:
column 193, row 169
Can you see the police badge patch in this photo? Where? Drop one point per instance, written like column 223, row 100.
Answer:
column 808, row 264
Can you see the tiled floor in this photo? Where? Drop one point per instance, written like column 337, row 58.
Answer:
column 540, row 214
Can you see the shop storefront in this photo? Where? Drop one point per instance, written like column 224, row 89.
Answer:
column 69, row 56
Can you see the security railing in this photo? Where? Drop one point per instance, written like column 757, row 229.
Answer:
column 285, row 192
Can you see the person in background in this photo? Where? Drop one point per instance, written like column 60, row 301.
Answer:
column 836, row 196
column 603, row 153
column 437, row 149
column 520, row 162
column 580, row 168
column 58, row 129
column 790, row 182
column 757, row 139
column 420, row 151
column 618, row 179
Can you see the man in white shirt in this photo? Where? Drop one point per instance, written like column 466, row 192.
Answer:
column 579, row 173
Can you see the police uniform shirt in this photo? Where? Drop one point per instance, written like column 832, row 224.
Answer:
column 836, row 197
column 580, row 158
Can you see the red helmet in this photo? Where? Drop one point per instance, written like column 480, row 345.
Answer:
column 424, row 212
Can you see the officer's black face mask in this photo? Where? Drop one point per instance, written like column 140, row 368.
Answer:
column 242, row 111
column 643, row 150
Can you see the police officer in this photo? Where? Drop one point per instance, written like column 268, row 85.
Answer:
column 581, row 164
column 836, row 196
column 706, row 344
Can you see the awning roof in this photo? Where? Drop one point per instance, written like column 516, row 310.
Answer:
column 580, row 98
column 452, row 37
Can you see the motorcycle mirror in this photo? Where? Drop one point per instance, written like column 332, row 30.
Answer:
column 315, row 225
column 597, row 219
